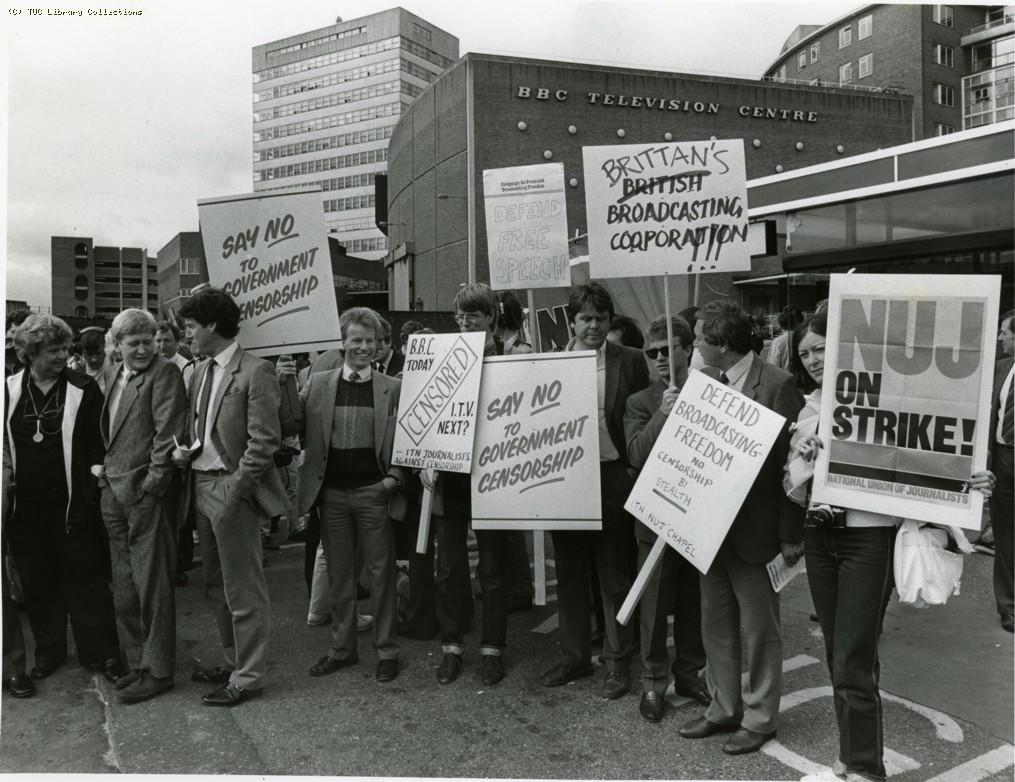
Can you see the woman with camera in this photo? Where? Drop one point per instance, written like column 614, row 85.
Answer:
column 849, row 569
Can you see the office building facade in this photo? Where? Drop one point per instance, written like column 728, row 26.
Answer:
column 181, row 267
column 955, row 60
column 97, row 281
column 325, row 104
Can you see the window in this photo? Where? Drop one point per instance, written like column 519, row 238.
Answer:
column 981, row 94
column 942, row 15
column 865, row 27
column 943, row 129
column 81, row 287
column 866, row 65
column 780, row 75
column 815, row 51
column 846, row 74
column 801, row 61
column 944, row 55
column 845, row 36
column 944, row 95
column 189, row 266
column 421, row 32
column 81, row 312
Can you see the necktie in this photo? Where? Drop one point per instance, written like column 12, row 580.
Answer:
column 114, row 407
column 724, row 379
column 205, row 403
column 1008, row 422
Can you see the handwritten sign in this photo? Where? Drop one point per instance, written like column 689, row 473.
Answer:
column 437, row 412
column 536, row 463
column 906, row 394
column 702, row 466
column 526, row 227
column 657, row 209
column 270, row 253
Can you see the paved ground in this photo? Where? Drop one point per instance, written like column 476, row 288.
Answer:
column 947, row 676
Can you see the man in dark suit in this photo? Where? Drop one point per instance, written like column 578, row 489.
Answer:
column 1002, row 509
column 144, row 409
column 233, row 484
column 673, row 586
column 620, row 372
column 389, row 360
column 736, row 591
column 349, row 418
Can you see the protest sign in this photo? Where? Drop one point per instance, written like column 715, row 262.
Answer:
column 526, row 227
column 702, row 466
column 437, row 409
column 270, row 253
column 678, row 208
column 906, row 394
column 536, row 460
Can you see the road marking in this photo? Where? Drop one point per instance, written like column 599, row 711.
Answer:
column 980, row 767
column 800, row 661
column 548, row 625
column 110, row 756
column 897, row 763
column 945, row 727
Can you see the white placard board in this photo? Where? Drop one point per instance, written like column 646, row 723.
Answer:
column 270, row 253
column 909, row 361
column 536, row 460
column 526, row 227
column 670, row 208
column 437, row 408
column 702, row 466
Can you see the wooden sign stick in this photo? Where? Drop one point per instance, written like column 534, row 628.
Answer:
column 653, row 561
column 538, row 535
column 424, row 520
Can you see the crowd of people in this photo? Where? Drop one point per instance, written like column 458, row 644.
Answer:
column 118, row 446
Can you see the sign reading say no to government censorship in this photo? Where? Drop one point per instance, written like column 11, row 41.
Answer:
column 657, row 209
column 702, row 466
column 270, row 253
column 536, row 462
column 437, row 407
column 526, row 227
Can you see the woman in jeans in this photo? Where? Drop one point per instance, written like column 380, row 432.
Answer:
column 849, row 568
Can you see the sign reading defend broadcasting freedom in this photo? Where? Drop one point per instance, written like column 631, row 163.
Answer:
column 536, row 461
column 908, row 376
column 702, row 466
column 656, row 209
column 270, row 253
column 526, row 227
column 437, row 407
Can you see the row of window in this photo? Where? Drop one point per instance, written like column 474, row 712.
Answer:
column 864, row 29
column 352, row 202
column 943, row 15
column 345, row 182
column 336, row 99
column 324, row 164
column 365, row 245
column 355, row 224
column 316, row 41
column 865, row 67
column 327, row 80
column 319, row 144
column 334, row 121
column 353, row 53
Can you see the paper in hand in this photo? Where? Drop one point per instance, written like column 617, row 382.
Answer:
column 780, row 573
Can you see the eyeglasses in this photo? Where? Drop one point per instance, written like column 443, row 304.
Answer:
column 654, row 353
column 468, row 317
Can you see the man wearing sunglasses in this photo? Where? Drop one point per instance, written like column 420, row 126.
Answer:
column 673, row 587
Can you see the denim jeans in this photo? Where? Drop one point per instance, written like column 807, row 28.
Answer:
column 850, row 575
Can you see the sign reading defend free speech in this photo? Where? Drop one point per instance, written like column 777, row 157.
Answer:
column 702, row 466
column 437, row 409
column 270, row 253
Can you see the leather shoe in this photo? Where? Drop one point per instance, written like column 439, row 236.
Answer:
column 651, row 706
column 615, row 684
column 329, row 664
column 702, row 728
column 387, row 670
column 745, row 741
column 693, row 689
column 229, row 695
column 491, row 669
column 113, row 669
column 21, row 686
column 450, row 667
column 562, row 673
column 1008, row 622
column 43, row 669
column 127, row 679
column 146, row 687
column 216, row 675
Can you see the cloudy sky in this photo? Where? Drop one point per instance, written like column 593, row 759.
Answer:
column 117, row 125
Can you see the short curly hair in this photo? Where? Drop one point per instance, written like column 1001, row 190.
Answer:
column 213, row 305
column 361, row 316
column 38, row 332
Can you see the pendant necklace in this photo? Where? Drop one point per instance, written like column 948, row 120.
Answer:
column 54, row 400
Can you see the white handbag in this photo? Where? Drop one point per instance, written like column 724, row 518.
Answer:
column 926, row 573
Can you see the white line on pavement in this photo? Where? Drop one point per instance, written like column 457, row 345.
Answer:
column 897, row 763
column 548, row 625
column 980, row 767
column 110, row 756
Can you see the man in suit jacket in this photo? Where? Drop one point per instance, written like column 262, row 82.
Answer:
column 673, row 587
column 620, row 372
column 736, row 591
column 144, row 409
column 232, row 484
column 1002, row 507
column 389, row 360
column 349, row 418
